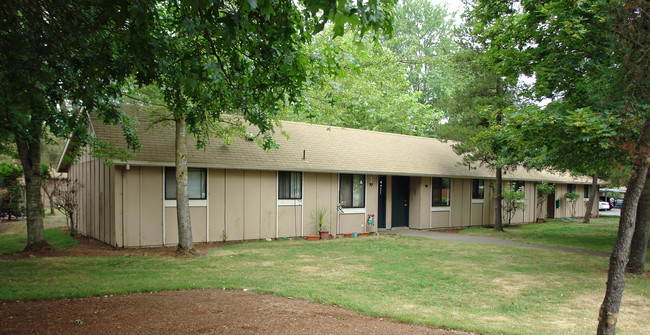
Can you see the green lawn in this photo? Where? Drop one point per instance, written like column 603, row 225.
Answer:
column 599, row 235
column 484, row 288
column 14, row 236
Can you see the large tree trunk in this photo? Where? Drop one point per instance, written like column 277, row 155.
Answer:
column 498, row 215
column 609, row 309
column 639, row 247
column 185, row 242
column 592, row 198
column 29, row 151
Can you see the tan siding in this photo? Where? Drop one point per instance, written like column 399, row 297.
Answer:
column 235, row 204
column 269, row 195
column 132, row 207
column 289, row 221
column 352, row 223
column 151, row 195
column 477, row 214
column 93, row 217
column 466, row 198
column 171, row 226
column 198, row 216
column 311, row 204
column 372, row 201
column 420, row 203
column 459, row 206
column 252, row 194
column 414, row 203
column 440, row 219
column 216, row 202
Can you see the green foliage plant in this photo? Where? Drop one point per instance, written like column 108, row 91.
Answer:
column 240, row 57
column 572, row 198
column 319, row 215
column 514, row 200
column 11, row 200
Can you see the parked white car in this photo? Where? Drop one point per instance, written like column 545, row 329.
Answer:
column 603, row 206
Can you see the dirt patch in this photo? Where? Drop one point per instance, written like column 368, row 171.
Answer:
column 184, row 312
column 193, row 312
column 92, row 247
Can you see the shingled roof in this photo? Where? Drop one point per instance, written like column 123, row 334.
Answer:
column 325, row 149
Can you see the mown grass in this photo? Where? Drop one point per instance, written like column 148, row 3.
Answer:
column 14, row 235
column 599, row 235
column 484, row 288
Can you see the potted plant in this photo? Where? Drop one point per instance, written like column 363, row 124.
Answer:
column 320, row 214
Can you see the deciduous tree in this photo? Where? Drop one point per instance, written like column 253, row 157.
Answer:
column 591, row 58
column 57, row 53
column 240, row 57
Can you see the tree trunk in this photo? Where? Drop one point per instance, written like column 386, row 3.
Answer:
column 29, row 151
column 592, row 198
column 609, row 309
column 185, row 242
column 73, row 228
column 49, row 197
column 498, row 215
column 639, row 247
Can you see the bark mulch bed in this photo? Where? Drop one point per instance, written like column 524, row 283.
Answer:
column 185, row 312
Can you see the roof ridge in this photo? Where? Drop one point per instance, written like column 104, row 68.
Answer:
column 357, row 129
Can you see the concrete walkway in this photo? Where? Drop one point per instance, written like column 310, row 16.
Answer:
column 482, row 240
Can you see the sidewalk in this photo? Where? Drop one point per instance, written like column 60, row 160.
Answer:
column 483, row 240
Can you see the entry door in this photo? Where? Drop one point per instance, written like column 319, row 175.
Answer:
column 381, row 215
column 550, row 206
column 400, row 201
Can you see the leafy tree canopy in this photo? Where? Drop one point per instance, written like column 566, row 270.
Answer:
column 366, row 89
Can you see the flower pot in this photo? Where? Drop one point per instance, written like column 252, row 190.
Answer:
column 364, row 234
column 324, row 234
column 312, row 237
column 347, row 234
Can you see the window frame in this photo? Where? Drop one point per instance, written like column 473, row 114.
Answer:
column 362, row 177
column 586, row 192
column 434, row 184
column 520, row 185
column 290, row 179
column 171, row 170
column 478, row 187
column 571, row 188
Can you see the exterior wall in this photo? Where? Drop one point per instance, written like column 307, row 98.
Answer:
column 242, row 204
column 94, row 217
column 420, row 203
column 125, row 207
column 138, row 208
column 320, row 190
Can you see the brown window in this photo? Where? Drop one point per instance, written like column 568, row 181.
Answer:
column 196, row 183
column 289, row 185
column 440, row 192
column 353, row 190
column 478, row 189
